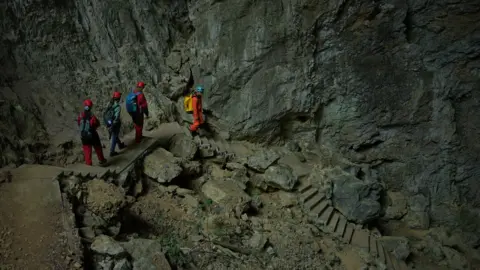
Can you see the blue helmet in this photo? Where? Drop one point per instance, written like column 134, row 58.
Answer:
column 200, row 89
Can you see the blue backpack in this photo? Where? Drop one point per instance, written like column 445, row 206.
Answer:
column 131, row 102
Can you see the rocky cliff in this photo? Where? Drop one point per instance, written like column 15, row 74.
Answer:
column 391, row 83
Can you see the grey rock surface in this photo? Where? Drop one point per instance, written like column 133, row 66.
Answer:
column 183, row 146
column 146, row 254
column 262, row 159
column 356, row 200
column 391, row 82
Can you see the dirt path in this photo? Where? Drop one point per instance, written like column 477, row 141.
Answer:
column 33, row 232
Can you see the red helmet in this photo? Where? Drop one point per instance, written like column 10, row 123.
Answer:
column 88, row 103
column 140, row 84
column 117, row 95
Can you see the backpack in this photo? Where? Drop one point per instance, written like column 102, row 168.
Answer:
column 108, row 115
column 188, row 103
column 86, row 133
column 131, row 102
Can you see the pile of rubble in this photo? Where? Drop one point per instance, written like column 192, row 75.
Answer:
column 180, row 209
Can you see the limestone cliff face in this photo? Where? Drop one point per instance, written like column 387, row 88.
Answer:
column 392, row 83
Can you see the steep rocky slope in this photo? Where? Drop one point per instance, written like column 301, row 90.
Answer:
column 391, row 83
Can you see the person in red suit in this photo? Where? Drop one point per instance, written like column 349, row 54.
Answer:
column 88, row 124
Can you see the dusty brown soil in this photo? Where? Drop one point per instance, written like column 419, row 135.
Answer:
column 32, row 222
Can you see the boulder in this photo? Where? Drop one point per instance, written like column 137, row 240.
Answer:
column 297, row 162
column 122, row 264
column 355, row 199
column 105, row 245
column 147, row 254
column 397, row 206
column 162, row 166
column 418, row 216
column 280, row 176
column 183, row 146
column 227, row 193
column 261, row 160
column 104, row 199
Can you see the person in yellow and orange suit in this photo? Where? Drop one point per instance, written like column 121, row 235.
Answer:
column 198, row 118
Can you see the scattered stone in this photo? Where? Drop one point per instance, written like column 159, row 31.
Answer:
column 104, row 199
column 106, row 263
column 270, row 251
column 262, row 160
column 355, row 199
column 123, row 264
column 280, row 176
column 286, row 199
column 87, row 232
column 258, row 241
column 234, row 166
column 293, row 146
column 183, row 146
column 397, row 206
column 105, row 245
column 162, row 166
column 398, row 246
column 455, row 260
column 417, row 216
column 70, row 185
column 191, row 168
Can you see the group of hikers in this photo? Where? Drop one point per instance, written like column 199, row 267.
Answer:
column 137, row 107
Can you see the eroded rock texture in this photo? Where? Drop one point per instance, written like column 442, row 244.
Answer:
column 392, row 82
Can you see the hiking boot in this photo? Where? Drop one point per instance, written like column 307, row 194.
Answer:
column 112, row 154
column 103, row 162
column 121, row 145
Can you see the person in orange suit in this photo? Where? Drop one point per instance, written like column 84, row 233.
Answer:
column 198, row 119
column 88, row 124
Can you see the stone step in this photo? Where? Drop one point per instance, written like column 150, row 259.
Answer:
column 83, row 170
column 389, row 263
column 361, row 239
column 205, row 143
column 315, row 200
column 326, row 216
column 214, row 146
column 341, row 226
column 395, row 262
column 402, row 265
column 221, row 149
column 304, row 187
column 308, row 195
column 347, row 236
column 332, row 225
column 319, row 209
column 373, row 245
column 380, row 250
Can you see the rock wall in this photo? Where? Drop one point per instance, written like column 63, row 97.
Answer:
column 390, row 83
